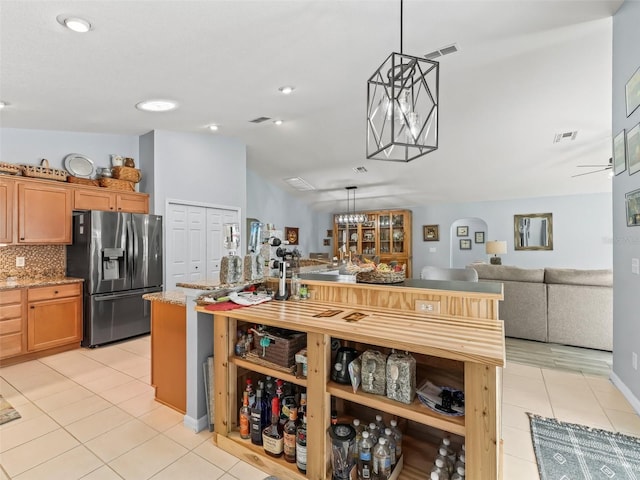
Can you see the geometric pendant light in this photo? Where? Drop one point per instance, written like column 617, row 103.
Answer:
column 402, row 107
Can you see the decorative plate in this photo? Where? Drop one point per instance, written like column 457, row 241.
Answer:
column 79, row 165
column 443, row 400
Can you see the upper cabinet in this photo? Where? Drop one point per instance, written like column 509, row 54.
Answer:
column 39, row 212
column 44, row 213
column 385, row 233
column 6, row 210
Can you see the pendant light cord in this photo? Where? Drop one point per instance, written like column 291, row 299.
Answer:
column 401, row 27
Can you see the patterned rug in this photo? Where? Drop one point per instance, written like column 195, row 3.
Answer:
column 7, row 412
column 566, row 451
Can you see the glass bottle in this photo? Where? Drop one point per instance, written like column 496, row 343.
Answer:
column 381, row 460
column 245, row 417
column 295, row 287
column 302, row 410
column 290, row 430
column 301, row 445
column 364, row 458
column 398, row 434
column 251, row 393
column 256, row 420
column 272, row 436
column 356, row 444
column 380, row 424
column 373, row 433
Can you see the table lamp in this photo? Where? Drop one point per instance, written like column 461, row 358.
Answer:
column 495, row 247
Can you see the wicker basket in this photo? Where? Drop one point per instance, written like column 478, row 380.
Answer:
column 126, row 173
column 43, row 171
column 115, row 184
column 9, row 168
column 83, row 181
column 376, row 276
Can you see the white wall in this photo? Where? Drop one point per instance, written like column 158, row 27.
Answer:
column 582, row 235
column 271, row 204
column 24, row 146
column 626, row 319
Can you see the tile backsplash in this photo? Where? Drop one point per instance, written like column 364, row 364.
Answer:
column 40, row 261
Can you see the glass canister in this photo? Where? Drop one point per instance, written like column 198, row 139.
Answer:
column 401, row 377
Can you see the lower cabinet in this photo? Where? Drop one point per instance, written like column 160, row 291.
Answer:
column 54, row 316
column 12, row 328
column 169, row 354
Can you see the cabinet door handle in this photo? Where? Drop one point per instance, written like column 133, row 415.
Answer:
column 55, row 292
column 32, row 306
column 21, row 238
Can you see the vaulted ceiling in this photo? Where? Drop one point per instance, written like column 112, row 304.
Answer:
column 525, row 71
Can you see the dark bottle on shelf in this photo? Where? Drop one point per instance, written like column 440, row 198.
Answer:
column 251, row 393
column 272, row 436
column 256, row 420
column 301, row 446
column 245, row 417
column 290, row 431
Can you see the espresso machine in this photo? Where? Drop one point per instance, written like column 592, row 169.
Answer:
column 281, row 265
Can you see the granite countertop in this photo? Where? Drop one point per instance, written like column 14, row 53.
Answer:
column 37, row 282
column 174, row 297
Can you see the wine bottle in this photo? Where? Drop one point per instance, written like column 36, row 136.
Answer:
column 245, row 417
column 256, row 420
column 301, row 446
column 272, row 436
column 290, row 431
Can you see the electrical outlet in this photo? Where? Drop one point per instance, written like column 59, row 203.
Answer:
column 635, row 266
column 634, row 360
column 19, row 261
column 428, row 306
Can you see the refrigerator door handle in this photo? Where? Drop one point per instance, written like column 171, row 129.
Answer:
column 130, row 253
column 135, row 257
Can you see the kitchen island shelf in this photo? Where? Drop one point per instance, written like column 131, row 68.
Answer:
column 468, row 343
column 414, row 411
column 265, row 370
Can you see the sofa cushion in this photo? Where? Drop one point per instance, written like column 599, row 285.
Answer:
column 508, row 273
column 568, row 276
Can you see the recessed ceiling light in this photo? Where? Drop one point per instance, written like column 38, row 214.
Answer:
column 157, row 105
column 278, row 122
column 2, row 105
column 76, row 24
column 299, row 183
column 213, row 127
column 287, row 89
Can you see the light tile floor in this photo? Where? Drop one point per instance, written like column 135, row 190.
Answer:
column 90, row 414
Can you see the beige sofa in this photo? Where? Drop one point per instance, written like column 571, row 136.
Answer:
column 558, row 305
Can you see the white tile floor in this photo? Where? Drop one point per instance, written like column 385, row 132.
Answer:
column 90, row 414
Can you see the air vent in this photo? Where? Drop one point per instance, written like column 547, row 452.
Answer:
column 360, row 169
column 565, row 136
column 448, row 50
column 299, row 183
column 260, row 119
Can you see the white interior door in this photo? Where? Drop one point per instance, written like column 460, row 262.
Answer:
column 195, row 242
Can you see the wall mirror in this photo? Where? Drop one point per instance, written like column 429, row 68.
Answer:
column 533, row 231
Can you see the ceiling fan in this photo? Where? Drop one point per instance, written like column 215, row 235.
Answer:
column 601, row 168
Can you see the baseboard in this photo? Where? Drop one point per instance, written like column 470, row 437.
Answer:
column 628, row 394
column 197, row 425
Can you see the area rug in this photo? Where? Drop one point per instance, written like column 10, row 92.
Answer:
column 7, row 412
column 566, row 451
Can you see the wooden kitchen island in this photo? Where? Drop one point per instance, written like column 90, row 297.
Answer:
column 464, row 346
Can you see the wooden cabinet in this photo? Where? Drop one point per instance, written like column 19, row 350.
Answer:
column 132, row 202
column 91, row 198
column 385, row 233
column 169, row 353
column 54, row 316
column 465, row 349
column 13, row 340
column 6, row 210
column 44, row 213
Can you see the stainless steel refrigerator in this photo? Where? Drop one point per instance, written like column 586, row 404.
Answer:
column 119, row 255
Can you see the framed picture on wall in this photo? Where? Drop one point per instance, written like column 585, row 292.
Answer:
column 479, row 237
column 632, row 201
column 465, row 244
column 462, row 231
column 431, row 233
column 619, row 154
column 326, row 242
column 291, row 234
column 633, row 149
column 632, row 92
column 329, row 233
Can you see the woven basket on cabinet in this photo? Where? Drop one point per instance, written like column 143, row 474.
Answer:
column 43, row 171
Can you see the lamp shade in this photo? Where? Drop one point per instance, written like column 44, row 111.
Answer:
column 496, row 247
